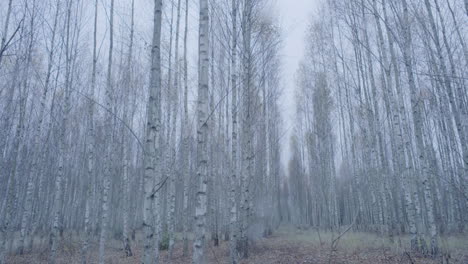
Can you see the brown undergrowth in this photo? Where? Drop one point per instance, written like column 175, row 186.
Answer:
column 286, row 246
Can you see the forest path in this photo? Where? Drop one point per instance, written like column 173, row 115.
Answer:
column 286, row 246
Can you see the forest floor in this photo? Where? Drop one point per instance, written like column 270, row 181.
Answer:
column 286, row 246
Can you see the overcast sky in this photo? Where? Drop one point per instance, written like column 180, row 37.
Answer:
column 294, row 18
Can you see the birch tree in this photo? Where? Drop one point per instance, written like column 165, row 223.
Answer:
column 186, row 134
column 202, row 134
column 151, row 155
column 109, row 94
column 58, row 201
column 91, row 140
column 234, row 110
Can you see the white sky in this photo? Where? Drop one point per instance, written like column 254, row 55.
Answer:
column 294, row 18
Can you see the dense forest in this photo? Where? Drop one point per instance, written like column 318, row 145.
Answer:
column 381, row 135
column 154, row 130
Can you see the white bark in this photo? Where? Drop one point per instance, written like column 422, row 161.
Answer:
column 151, row 155
column 202, row 135
column 90, row 146
column 186, row 133
column 247, row 135
column 233, row 179
column 58, row 199
column 24, row 229
column 8, row 211
column 126, row 155
column 175, row 106
column 408, row 61
column 108, row 126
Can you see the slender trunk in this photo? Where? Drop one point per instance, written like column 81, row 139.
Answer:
column 233, row 182
column 247, row 136
column 202, row 135
column 8, row 211
column 126, row 151
column 459, row 34
column 126, row 191
column 211, row 180
column 108, row 126
column 90, row 147
column 175, row 100
column 58, row 199
column 24, row 229
column 152, row 173
column 386, row 81
column 466, row 7
column 186, row 133
column 417, row 115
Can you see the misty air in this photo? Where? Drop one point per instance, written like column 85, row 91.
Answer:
column 234, row 131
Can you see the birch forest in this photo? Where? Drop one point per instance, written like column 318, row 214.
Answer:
column 156, row 131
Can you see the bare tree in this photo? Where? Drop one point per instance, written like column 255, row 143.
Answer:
column 202, row 134
column 151, row 156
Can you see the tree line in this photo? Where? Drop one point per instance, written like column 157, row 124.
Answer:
column 380, row 141
column 111, row 131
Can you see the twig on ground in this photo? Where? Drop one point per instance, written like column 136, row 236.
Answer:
column 335, row 241
column 320, row 238
column 409, row 257
column 214, row 254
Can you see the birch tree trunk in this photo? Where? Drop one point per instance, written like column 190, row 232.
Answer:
column 126, row 153
column 202, row 134
column 8, row 211
column 175, row 106
column 233, row 180
column 186, row 133
column 36, row 169
column 151, row 156
column 387, row 87
column 28, row 206
column 417, row 117
column 58, row 199
column 247, row 137
column 91, row 140
column 108, row 126
column 466, row 7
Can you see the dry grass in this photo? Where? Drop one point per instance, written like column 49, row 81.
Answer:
column 287, row 246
